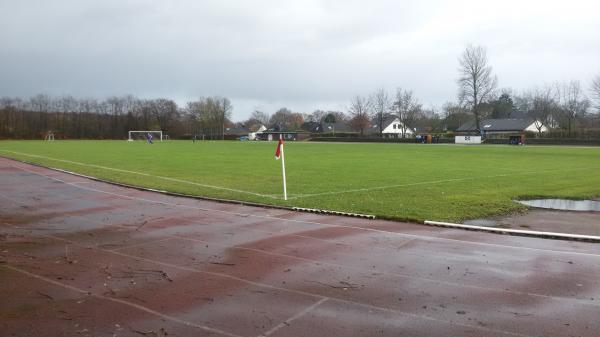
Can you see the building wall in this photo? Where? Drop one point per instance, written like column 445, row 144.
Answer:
column 467, row 139
column 398, row 128
column 532, row 128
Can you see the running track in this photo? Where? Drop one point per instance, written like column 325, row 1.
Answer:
column 85, row 258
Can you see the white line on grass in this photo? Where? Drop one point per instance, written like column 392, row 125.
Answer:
column 146, row 175
column 433, row 182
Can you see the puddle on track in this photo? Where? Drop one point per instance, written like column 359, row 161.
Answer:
column 563, row 204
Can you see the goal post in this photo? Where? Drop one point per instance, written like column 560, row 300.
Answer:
column 133, row 133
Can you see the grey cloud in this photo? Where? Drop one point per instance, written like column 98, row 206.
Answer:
column 301, row 54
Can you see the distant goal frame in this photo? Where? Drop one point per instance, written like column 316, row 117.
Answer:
column 130, row 132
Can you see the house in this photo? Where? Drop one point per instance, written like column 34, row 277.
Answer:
column 392, row 128
column 340, row 127
column 235, row 132
column 276, row 132
column 501, row 128
column 254, row 135
column 329, row 128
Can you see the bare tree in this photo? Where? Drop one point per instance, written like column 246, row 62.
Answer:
column 381, row 107
column 454, row 115
column 596, row 91
column 284, row 119
column 211, row 114
column 573, row 103
column 544, row 107
column 316, row 116
column 164, row 111
column 407, row 108
column 223, row 109
column 40, row 103
column 256, row 120
column 360, row 110
column 476, row 82
column 260, row 117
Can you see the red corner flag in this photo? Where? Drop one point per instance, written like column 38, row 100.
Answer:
column 278, row 151
column 279, row 154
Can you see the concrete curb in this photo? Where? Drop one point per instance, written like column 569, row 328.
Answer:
column 518, row 232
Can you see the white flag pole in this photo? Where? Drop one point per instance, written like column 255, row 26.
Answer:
column 283, row 169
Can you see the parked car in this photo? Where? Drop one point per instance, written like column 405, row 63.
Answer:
column 244, row 138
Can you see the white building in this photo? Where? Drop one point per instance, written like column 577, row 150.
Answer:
column 392, row 128
column 252, row 135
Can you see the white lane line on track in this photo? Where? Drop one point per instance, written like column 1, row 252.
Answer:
column 360, row 269
column 146, row 175
column 393, row 274
column 288, row 321
column 299, row 292
column 116, row 300
column 421, row 237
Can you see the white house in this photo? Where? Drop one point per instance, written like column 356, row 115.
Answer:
column 392, row 128
column 252, row 135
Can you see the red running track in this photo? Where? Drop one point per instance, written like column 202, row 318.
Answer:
column 85, row 258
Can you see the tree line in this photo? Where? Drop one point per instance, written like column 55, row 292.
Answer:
column 76, row 118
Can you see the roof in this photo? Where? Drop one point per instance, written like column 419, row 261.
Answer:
column 311, row 126
column 374, row 124
column 237, row 131
column 510, row 124
column 338, row 127
column 323, row 127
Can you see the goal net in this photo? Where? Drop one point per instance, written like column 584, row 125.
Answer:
column 142, row 135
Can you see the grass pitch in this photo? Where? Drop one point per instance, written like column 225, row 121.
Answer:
column 399, row 181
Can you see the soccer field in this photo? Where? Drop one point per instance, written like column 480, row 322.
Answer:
column 399, row 181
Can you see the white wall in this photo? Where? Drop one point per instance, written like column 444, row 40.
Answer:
column 532, row 128
column 467, row 139
column 398, row 129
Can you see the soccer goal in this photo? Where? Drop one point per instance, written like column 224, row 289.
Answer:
column 141, row 135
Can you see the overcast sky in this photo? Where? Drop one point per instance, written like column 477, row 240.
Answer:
column 303, row 55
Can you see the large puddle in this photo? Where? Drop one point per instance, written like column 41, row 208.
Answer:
column 563, row 204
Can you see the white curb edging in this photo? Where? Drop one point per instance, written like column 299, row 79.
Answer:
column 521, row 232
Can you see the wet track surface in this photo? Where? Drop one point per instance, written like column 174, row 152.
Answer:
column 85, row 258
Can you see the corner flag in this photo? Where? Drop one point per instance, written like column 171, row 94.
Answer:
column 278, row 150
column 279, row 154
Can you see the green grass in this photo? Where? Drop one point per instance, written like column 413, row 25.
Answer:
column 399, row 181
